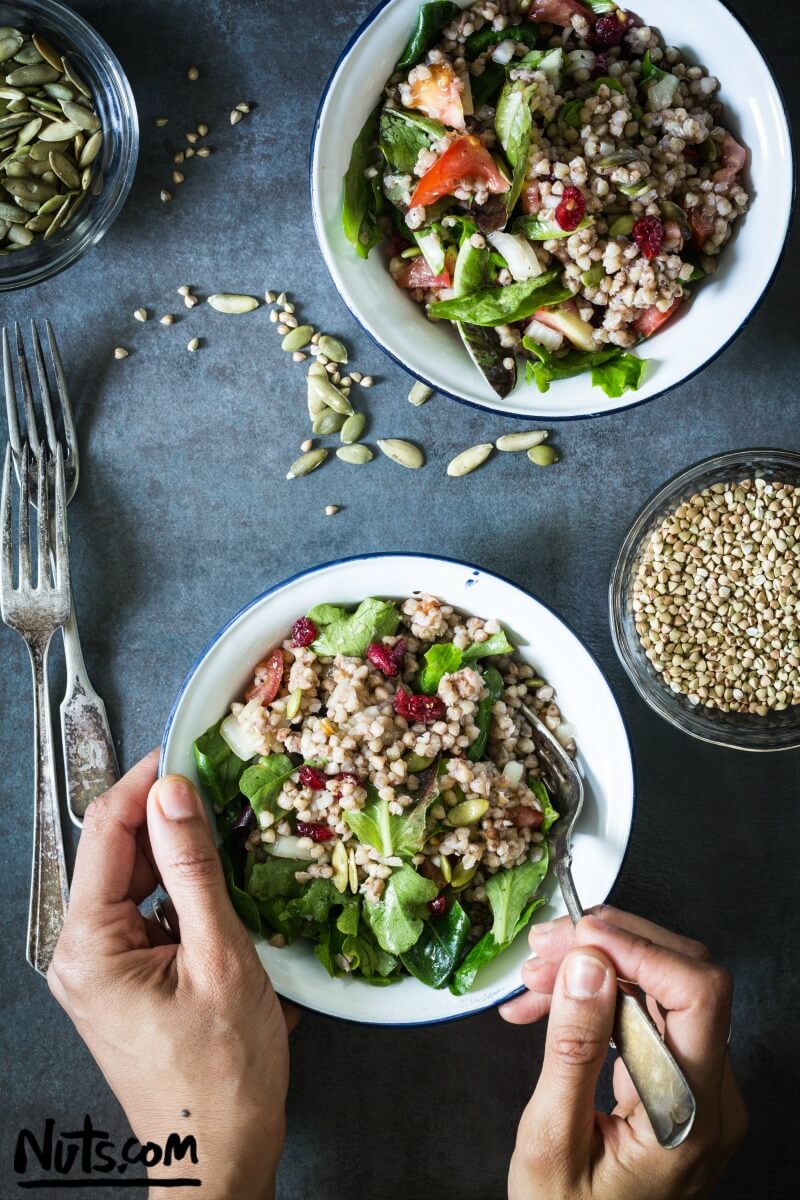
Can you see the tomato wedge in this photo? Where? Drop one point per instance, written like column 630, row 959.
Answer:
column 702, row 226
column 415, row 273
column 734, row 158
column 268, row 678
column 438, row 95
column 652, row 319
column 465, row 159
column 558, row 12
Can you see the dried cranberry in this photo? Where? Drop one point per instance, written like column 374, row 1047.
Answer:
column 437, row 906
column 388, row 659
column 303, row 632
column 418, row 709
column 648, row 233
column 610, row 29
column 600, row 67
column 572, row 208
column 314, row 830
column 310, row 777
column 351, row 775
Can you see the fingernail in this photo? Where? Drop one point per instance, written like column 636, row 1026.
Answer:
column 532, row 964
column 584, row 976
column 544, row 930
column 177, row 799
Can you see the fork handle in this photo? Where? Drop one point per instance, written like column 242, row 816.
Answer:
column 666, row 1096
column 49, row 886
column 90, row 761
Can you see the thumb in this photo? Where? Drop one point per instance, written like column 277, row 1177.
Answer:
column 186, row 857
column 562, row 1111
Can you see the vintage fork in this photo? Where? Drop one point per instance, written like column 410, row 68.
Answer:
column 36, row 612
column 661, row 1084
column 90, row 761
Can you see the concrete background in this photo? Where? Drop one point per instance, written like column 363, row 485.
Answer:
column 184, row 514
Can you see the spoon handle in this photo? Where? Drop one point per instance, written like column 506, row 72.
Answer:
column 661, row 1084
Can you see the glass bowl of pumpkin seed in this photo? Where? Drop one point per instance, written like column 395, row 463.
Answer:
column 69, row 140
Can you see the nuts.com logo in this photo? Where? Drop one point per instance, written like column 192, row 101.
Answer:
column 87, row 1158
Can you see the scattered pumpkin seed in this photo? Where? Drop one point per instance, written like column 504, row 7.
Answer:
column 339, row 864
column 419, row 394
column 81, row 116
column 332, row 348
column 48, row 52
column 331, row 510
column 327, row 422
column 316, row 369
column 469, row 460
column 417, row 762
column 329, row 395
column 521, row 441
column 140, row 314
column 120, row 352
column 293, row 704
column 307, row 463
column 296, row 338
column 402, row 452
column 353, row 428
column 543, row 456
column 352, row 871
column 356, row 455
column 468, row 812
column 74, row 78
column 232, row 302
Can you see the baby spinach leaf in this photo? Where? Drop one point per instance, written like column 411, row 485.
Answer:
column 543, row 796
column 627, row 369
column 503, row 305
column 483, row 718
column 315, row 902
column 325, row 614
column 351, row 634
column 487, row 949
column 403, row 135
column 485, row 86
column 245, row 905
column 510, row 890
column 275, row 877
column 443, row 659
column 470, row 271
column 359, row 206
column 218, row 767
column 496, row 643
column 435, row 955
column 262, row 783
column 348, row 919
column 396, row 919
column 273, row 913
column 514, row 123
column 619, row 375
column 387, row 832
column 482, row 39
column 431, row 20
column 483, row 345
column 324, row 952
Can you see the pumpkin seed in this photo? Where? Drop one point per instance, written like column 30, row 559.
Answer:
column 402, row 452
column 419, row 394
column 521, row 441
column 468, row 812
column 307, row 463
column 230, row 302
column 48, row 52
column 325, row 391
column 57, row 221
column 327, row 422
column 332, row 348
column 355, row 455
column 316, row 369
column 417, row 762
column 50, row 206
column 28, row 55
column 353, row 428
column 14, row 120
column 339, row 864
column 12, row 214
column 352, row 871
column 9, row 93
column 295, row 339
column 29, row 131
column 44, row 105
column 10, row 44
column 20, row 235
column 469, row 460
column 74, row 78
column 58, row 91
column 293, row 703
column 462, row 876
column 86, row 178
column 59, row 131
column 64, row 169
column 37, row 73
column 543, row 456
column 445, row 867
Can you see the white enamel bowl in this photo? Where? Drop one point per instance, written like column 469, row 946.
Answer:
column 225, row 668
column 710, row 34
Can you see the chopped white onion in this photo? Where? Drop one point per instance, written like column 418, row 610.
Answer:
column 504, row 52
column 513, row 772
column 466, row 94
column 551, row 339
column 245, row 742
column 523, row 262
column 288, row 846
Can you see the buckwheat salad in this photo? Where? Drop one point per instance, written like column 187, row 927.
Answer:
column 551, row 178
column 377, row 791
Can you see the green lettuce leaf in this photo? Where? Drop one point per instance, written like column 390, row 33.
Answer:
column 326, row 614
column 262, row 783
column 361, row 199
column 431, row 20
column 503, row 305
column 514, row 123
column 350, row 635
column 626, row 372
column 483, row 719
column 510, row 890
column 496, row 643
column 244, row 904
column 543, row 796
column 482, row 39
column 484, row 87
column 396, row 919
column 443, row 659
column 549, row 61
column 218, row 767
column 388, row 833
column 487, row 949
column 435, row 955
column 619, row 375
column 403, row 135
column 275, row 877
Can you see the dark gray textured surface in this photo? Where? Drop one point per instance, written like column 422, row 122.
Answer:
column 165, row 550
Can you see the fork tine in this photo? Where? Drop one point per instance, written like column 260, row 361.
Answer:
column 24, row 515
column 44, row 388
column 27, row 394
column 11, row 398
column 62, row 540
column 43, row 524
column 6, row 540
column 70, row 436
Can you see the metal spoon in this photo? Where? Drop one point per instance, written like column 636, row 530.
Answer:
column 661, row 1084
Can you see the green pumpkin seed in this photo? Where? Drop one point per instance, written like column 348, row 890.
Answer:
column 318, row 370
column 622, row 226
column 353, row 428
column 37, row 73
column 297, row 338
column 45, row 105
column 39, row 223
column 352, row 871
column 468, row 812
column 521, row 441
column 58, row 220
column 20, row 235
column 75, row 79
column 29, row 131
column 58, row 91
column 9, row 45
column 48, row 52
column 417, row 762
column 543, row 456
column 324, row 390
column 59, row 131
column 64, row 169
column 293, row 704
column 355, row 455
column 333, row 349
column 232, row 303
column 9, row 93
column 339, row 864
column 14, row 120
column 50, row 206
column 327, row 422
column 420, row 394
column 91, row 149
column 445, row 867
column 406, row 454
column 307, row 463
column 461, row 876
column 12, row 214
column 34, row 190
column 41, row 151
column 469, row 460
column 28, row 55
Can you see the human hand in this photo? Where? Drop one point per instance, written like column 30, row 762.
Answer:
column 194, row 1026
column 564, row 1148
